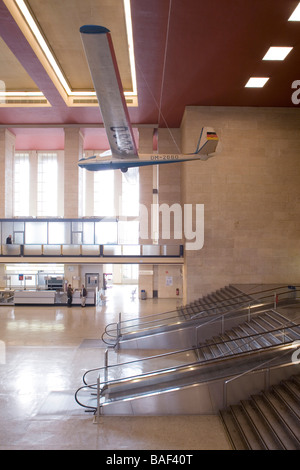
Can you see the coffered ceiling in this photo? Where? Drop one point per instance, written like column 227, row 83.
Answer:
column 184, row 53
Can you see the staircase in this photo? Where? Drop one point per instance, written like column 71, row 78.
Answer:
column 265, row 330
column 269, row 420
column 219, row 302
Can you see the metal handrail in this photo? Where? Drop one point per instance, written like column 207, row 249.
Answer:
column 253, row 337
column 221, row 302
column 176, row 368
column 242, row 303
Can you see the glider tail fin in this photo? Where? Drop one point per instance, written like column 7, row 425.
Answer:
column 207, row 143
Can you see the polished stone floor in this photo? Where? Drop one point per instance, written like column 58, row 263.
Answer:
column 41, row 365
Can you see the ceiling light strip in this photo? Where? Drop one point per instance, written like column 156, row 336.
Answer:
column 46, row 50
column 256, row 82
column 295, row 16
column 41, row 41
column 277, row 53
column 127, row 9
column 22, row 93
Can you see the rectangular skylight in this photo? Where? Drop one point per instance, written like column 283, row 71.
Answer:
column 277, row 53
column 256, row 82
column 295, row 16
column 52, row 60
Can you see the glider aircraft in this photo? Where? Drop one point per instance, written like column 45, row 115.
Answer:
column 123, row 154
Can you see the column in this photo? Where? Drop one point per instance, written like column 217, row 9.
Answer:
column 7, row 151
column 147, row 184
column 73, row 152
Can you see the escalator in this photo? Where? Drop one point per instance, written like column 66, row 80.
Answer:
column 204, row 317
column 191, row 381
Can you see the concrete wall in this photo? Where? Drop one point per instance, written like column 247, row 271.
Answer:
column 251, row 198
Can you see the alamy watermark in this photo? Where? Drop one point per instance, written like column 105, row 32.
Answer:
column 188, row 223
column 296, row 93
column 296, row 354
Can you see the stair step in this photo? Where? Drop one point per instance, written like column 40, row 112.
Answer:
column 260, row 341
column 287, row 417
column 234, row 434
column 244, row 342
column 268, row 420
column 296, row 380
column 265, row 433
column 292, row 333
column 223, row 347
column 288, row 398
column 252, row 341
column 215, row 350
column 273, row 338
column 272, row 320
column 282, row 433
column 292, row 387
column 206, row 351
column 249, row 434
column 231, row 339
column 258, row 324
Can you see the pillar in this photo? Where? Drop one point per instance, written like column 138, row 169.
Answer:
column 73, row 152
column 7, row 151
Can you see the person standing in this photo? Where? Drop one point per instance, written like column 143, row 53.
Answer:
column 83, row 296
column 70, row 295
column 9, row 240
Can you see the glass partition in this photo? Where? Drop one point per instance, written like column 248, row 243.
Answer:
column 7, row 229
column 36, row 233
column 88, row 233
column 59, row 233
column 66, row 235
column 106, row 233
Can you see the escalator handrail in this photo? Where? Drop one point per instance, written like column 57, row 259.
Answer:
column 241, row 306
column 197, row 364
column 201, row 313
column 253, row 338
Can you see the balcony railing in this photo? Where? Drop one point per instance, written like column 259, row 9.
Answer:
column 87, row 237
column 97, row 251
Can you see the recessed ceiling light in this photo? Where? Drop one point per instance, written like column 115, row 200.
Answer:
column 256, row 82
column 295, row 16
column 277, row 53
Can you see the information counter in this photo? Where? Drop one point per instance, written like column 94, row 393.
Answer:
column 44, row 297
column 47, row 297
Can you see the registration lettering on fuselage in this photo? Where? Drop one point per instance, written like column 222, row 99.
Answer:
column 165, row 157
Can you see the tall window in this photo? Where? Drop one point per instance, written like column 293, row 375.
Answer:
column 21, row 185
column 104, row 191
column 47, row 184
column 130, row 194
